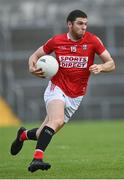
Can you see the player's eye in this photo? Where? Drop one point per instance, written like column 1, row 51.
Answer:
column 79, row 23
column 82, row 23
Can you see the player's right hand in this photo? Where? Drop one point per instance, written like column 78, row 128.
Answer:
column 37, row 72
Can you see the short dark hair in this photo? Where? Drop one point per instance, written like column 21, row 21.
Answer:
column 75, row 14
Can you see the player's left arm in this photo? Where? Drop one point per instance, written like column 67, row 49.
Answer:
column 107, row 65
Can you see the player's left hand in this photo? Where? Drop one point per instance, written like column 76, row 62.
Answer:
column 95, row 68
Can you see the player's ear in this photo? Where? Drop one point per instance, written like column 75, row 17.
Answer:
column 69, row 23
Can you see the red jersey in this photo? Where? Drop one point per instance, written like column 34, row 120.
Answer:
column 74, row 58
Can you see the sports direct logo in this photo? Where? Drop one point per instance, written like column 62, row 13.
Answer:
column 73, row 61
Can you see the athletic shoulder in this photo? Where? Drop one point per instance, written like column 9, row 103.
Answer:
column 90, row 36
column 97, row 43
column 51, row 44
column 60, row 36
column 93, row 37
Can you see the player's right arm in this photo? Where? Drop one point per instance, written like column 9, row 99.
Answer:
column 32, row 62
column 47, row 48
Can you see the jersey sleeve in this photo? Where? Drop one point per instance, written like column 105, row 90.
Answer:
column 99, row 47
column 49, row 46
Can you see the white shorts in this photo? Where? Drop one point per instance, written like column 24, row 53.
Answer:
column 53, row 92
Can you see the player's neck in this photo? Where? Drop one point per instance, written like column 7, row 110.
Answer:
column 72, row 37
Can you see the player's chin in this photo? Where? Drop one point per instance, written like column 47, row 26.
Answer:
column 80, row 36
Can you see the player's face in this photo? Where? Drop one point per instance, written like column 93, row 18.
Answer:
column 78, row 27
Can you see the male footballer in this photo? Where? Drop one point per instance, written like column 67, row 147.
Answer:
column 75, row 52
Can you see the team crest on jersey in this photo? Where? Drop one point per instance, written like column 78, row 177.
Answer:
column 84, row 46
column 73, row 48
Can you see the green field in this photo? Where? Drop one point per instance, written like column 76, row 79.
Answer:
column 78, row 151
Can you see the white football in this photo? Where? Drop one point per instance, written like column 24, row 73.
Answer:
column 48, row 64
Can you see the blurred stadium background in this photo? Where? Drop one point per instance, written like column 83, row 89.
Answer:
column 27, row 24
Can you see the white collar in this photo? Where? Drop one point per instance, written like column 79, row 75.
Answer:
column 68, row 36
